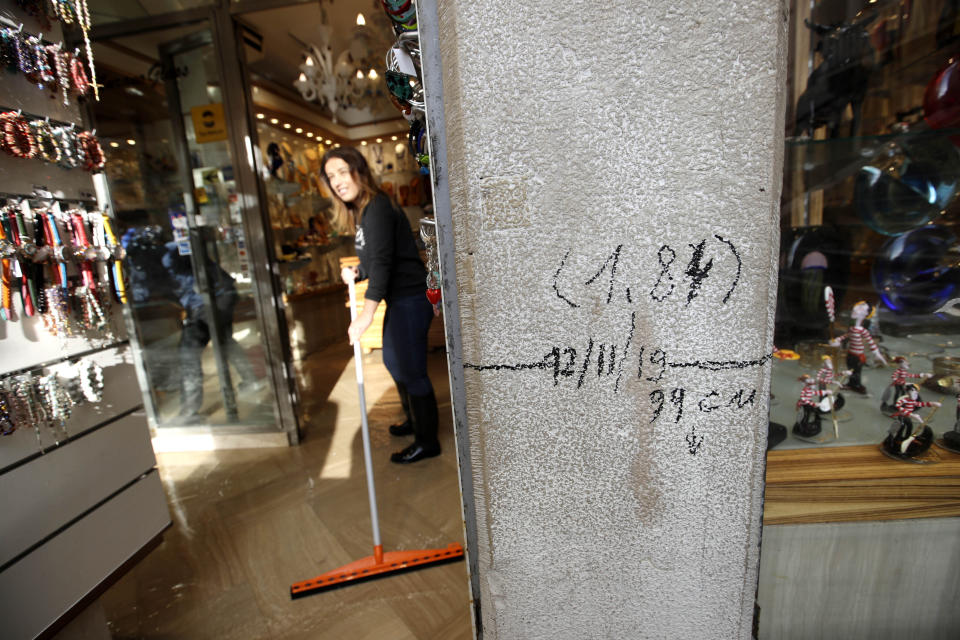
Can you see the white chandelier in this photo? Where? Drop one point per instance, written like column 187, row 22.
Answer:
column 351, row 82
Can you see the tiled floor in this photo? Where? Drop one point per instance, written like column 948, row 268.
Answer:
column 249, row 523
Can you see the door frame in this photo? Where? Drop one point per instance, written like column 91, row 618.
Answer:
column 245, row 154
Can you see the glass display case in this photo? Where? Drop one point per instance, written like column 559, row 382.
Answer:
column 869, row 271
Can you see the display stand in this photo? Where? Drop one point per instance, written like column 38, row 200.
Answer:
column 81, row 500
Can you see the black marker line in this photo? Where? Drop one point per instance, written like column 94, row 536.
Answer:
column 677, row 399
column 555, row 355
column 613, row 270
column 704, row 399
column 713, row 365
column 543, row 364
column 736, row 255
column 600, row 355
column 693, row 441
column 586, row 363
column 695, row 272
column 626, row 348
column 556, row 277
column 740, row 402
column 568, row 368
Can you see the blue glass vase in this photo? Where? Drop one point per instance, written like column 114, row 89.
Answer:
column 915, row 272
column 909, row 182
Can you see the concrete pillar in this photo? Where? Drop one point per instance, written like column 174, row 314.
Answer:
column 614, row 173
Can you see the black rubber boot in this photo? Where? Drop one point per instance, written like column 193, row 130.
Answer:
column 425, row 424
column 406, row 427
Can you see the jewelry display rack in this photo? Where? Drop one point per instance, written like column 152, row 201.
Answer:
column 80, row 495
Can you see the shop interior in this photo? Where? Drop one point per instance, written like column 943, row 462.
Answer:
column 143, row 74
column 162, row 80
column 212, row 126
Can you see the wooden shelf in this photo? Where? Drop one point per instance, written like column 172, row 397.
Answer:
column 858, row 483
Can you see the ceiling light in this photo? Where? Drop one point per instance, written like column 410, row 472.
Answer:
column 364, row 143
column 345, row 80
column 309, row 134
column 260, row 116
column 274, row 121
column 393, row 138
column 286, row 125
column 328, row 142
column 131, row 141
column 336, row 146
column 114, row 144
column 379, row 140
column 299, row 130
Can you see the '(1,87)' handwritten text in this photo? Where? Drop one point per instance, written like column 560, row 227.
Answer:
column 694, row 276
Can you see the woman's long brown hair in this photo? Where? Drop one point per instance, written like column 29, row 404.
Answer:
column 360, row 171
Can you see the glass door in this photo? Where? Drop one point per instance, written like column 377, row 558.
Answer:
column 171, row 176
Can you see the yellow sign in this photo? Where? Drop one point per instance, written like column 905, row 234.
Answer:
column 209, row 125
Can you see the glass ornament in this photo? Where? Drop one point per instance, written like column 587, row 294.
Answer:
column 941, row 99
column 917, row 271
column 909, row 182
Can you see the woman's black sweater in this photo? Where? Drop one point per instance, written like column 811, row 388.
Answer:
column 388, row 253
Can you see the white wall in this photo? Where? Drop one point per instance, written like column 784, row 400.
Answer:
column 610, row 139
column 861, row 580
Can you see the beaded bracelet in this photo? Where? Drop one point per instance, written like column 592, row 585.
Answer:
column 23, row 55
column 65, row 10
column 67, row 142
column 90, row 151
column 78, row 74
column 91, row 380
column 92, row 312
column 46, row 142
column 17, row 139
column 26, row 407
column 7, row 425
column 57, row 318
column 56, row 402
column 43, row 73
column 61, row 62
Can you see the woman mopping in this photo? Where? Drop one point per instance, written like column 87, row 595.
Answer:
column 390, row 260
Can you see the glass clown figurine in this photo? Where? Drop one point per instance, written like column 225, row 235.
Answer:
column 907, row 439
column 808, row 416
column 898, row 384
column 857, row 338
column 826, row 378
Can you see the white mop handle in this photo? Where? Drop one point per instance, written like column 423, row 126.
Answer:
column 351, row 289
column 365, row 428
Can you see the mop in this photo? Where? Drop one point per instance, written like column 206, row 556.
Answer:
column 380, row 564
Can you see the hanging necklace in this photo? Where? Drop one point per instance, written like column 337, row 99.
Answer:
column 26, row 406
column 6, row 420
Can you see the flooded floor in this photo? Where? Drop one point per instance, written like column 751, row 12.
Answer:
column 249, row 523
